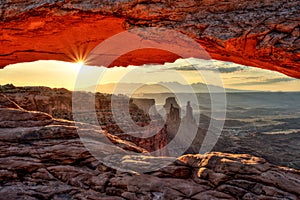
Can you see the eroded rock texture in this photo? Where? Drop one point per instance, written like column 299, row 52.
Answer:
column 262, row 33
column 278, row 149
column 43, row 158
column 58, row 103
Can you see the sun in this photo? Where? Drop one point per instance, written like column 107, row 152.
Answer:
column 80, row 62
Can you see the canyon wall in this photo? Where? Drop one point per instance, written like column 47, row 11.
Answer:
column 43, row 158
column 156, row 136
column 264, row 34
column 58, row 103
column 147, row 105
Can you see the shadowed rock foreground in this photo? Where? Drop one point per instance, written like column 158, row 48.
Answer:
column 43, row 158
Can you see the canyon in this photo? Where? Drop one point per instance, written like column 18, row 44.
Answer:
column 58, row 103
column 238, row 136
column 43, row 158
column 264, row 34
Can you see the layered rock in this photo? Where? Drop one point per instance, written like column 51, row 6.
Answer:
column 279, row 149
column 48, row 161
column 58, row 103
column 55, row 102
column 262, row 34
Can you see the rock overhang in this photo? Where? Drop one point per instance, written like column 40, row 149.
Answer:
column 260, row 34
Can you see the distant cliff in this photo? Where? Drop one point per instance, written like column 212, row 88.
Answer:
column 43, row 158
column 58, row 103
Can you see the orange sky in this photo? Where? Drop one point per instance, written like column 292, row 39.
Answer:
column 63, row 74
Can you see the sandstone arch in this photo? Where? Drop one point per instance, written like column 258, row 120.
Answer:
column 263, row 33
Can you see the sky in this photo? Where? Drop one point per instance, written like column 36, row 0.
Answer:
column 58, row 74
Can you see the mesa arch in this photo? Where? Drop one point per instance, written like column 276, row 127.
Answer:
column 263, row 33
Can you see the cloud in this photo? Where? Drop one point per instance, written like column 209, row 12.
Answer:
column 209, row 68
column 267, row 81
column 230, row 69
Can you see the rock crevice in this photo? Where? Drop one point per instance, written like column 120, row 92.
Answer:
column 49, row 161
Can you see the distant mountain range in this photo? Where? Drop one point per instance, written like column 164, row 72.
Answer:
column 162, row 87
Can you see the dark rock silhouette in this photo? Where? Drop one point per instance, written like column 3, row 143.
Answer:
column 189, row 113
column 147, row 105
column 173, row 119
column 171, row 101
column 174, row 114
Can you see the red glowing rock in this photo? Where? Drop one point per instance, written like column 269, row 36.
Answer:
column 262, row 34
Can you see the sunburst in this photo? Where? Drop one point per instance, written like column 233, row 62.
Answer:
column 80, row 62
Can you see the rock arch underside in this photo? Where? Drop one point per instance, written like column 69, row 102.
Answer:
column 264, row 33
column 41, row 153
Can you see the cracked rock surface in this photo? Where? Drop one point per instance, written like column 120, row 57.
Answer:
column 43, row 158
